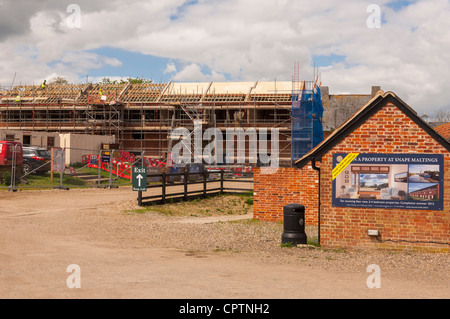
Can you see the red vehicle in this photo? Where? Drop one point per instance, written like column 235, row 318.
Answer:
column 7, row 150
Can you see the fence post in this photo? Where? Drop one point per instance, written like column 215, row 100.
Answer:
column 140, row 198
column 12, row 186
column 163, row 196
column 144, row 163
column 61, row 172
column 51, row 165
column 204, row 184
column 186, row 176
column 99, row 166
column 221, row 181
column 61, row 176
column 110, row 168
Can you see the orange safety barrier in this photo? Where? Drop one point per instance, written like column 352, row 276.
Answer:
column 120, row 167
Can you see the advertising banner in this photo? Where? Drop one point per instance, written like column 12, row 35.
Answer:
column 396, row 181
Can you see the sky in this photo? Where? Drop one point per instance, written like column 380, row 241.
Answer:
column 375, row 179
column 414, row 187
column 418, row 169
column 407, row 52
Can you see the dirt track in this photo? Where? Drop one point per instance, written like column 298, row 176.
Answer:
column 124, row 255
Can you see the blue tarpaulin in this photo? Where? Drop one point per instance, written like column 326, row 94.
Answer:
column 307, row 114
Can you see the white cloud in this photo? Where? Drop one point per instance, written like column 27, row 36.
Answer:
column 170, row 68
column 193, row 72
column 247, row 40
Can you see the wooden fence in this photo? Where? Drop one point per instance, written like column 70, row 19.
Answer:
column 203, row 186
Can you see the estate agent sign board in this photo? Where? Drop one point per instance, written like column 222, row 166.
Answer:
column 395, row 181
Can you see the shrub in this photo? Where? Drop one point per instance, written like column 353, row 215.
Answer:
column 5, row 178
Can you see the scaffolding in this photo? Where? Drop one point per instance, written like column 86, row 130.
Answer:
column 307, row 113
column 142, row 116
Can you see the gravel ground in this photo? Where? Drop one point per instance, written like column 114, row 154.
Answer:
column 106, row 222
column 255, row 240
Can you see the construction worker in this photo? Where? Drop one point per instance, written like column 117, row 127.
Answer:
column 100, row 92
column 44, row 84
column 18, row 98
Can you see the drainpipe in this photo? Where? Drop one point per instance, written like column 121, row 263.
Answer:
column 313, row 164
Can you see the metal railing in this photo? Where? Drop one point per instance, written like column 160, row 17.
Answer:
column 72, row 168
column 65, row 170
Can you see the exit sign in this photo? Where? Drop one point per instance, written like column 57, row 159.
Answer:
column 139, row 178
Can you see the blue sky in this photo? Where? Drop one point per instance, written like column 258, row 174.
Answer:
column 417, row 169
column 327, row 60
column 374, row 179
column 181, row 10
column 134, row 64
column 151, row 67
column 399, row 5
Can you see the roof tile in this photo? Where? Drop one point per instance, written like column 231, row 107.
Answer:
column 444, row 130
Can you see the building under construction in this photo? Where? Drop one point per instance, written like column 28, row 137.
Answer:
column 142, row 116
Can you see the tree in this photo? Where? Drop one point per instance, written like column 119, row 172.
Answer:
column 426, row 118
column 443, row 116
column 139, row 81
column 59, row 80
column 128, row 80
column 108, row 81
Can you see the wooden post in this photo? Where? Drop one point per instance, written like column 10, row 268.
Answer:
column 140, row 199
column 163, row 196
column 61, row 170
column 221, row 181
column 204, row 184
column 186, row 176
column 51, row 166
column 110, row 167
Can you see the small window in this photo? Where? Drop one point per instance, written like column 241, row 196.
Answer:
column 27, row 140
column 138, row 136
column 50, row 141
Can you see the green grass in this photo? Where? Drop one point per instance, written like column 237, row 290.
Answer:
column 249, row 201
column 44, row 180
column 104, row 174
column 312, row 242
column 219, row 205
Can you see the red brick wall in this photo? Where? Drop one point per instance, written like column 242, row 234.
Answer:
column 287, row 186
column 309, row 194
column 389, row 131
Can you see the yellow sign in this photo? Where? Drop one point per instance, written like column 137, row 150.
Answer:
column 344, row 164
